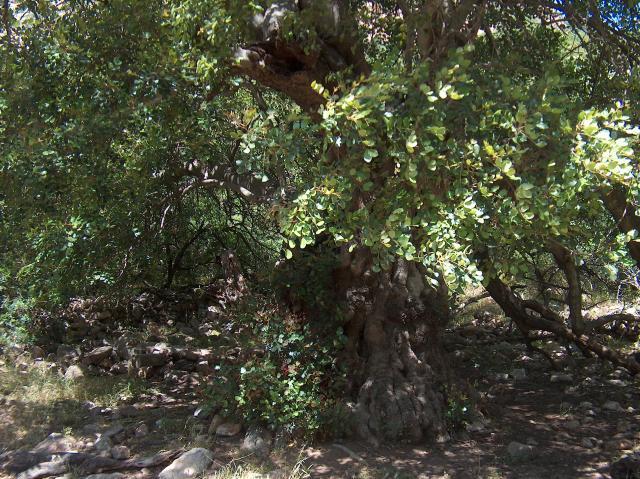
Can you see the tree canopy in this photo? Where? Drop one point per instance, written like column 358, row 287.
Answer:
column 474, row 141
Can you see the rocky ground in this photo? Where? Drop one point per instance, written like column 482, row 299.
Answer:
column 113, row 403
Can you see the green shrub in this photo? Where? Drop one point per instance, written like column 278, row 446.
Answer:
column 16, row 320
column 291, row 380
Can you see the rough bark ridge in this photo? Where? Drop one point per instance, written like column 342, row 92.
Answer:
column 625, row 216
column 395, row 322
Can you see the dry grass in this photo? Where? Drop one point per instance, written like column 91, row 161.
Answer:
column 38, row 401
column 238, row 470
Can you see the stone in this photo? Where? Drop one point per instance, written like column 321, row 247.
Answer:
column 184, row 365
column 120, row 452
column 37, row 352
column 97, row 355
column 147, row 360
column 202, row 412
column 188, row 354
column 520, row 452
column 73, row 372
column 203, row 368
column 519, row 374
column 55, row 443
column 127, row 411
column 613, row 406
column 114, row 430
column 257, row 441
column 573, row 425
column 561, row 378
column 90, row 428
column 228, row 429
column 102, row 315
column 119, row 368
column 112, row 475
column 66, row 352
column 122, row 348
column 141, row 431
column 586, row 405
column 589, row 442
column 619, row 445
column 618, row 382
column 103, row 444
column 190, row 464
column 212, row 313
column 215, row 422
column 627, row 467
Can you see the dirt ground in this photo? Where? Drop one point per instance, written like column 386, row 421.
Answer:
column 565, row 420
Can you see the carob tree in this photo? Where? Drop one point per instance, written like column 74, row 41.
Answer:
column 432, row 143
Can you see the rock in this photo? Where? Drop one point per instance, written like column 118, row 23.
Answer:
column 519, row 374
column 55, row 443
column 127, row 411
column 531, row 441
column 618, row 382
column 112, row 475
column 122, row 348
column 257, row 441
column 188, row 354
column 618, row 445
column 22, row 460
column 119, row 368
column 102, row 315
column 203, row 368
column 520, row 452
column 612, row 406
column 90, row 429
column 73, row 372
column 103, row 444
column 585, row 405
column 184, row 365
column 589, row 442
column 66, row 352
column 115, row 429
column 141, row 431
column 228, row 429
column 215, row 422
column 97, row 355
column 561, row 378
column 627, row 467
column 203, row 412
column 573, row 425
column 120, row 452
column 150, row 360
column 476, row 426
column 190, row 464
column 37, row 352
column 212, row 313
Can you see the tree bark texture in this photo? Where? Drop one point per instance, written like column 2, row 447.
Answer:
column 395, row 321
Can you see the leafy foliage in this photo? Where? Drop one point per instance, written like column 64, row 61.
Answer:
column 291, row 381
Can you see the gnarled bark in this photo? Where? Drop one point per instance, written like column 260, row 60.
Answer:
column 625, row 216
column 394, row 350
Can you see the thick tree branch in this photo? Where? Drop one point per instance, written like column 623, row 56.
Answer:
column 289, row 67
column 516, row 308
column 625, row 216
column 566, row 262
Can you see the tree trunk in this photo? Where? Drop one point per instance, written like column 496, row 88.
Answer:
column 398, row 370
column 624, row 213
